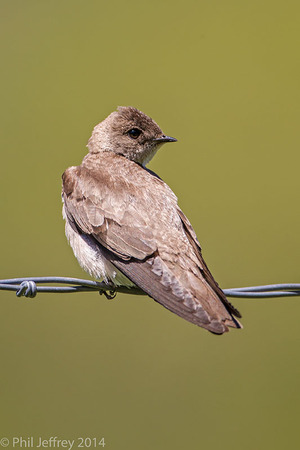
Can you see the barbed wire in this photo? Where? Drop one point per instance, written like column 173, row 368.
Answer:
column 28, row 287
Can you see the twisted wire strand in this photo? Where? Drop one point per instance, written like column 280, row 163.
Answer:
column 28, row 287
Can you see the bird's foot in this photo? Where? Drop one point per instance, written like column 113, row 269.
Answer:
column 110, row 295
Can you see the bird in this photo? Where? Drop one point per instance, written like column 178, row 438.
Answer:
column 125, row 227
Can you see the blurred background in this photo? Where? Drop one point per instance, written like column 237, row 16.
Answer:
column 222, row 77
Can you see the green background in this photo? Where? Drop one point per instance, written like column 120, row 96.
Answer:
column 222, row 77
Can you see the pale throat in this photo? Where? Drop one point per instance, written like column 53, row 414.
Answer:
column 147, row 156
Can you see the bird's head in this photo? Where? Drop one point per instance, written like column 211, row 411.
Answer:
column 130, row 133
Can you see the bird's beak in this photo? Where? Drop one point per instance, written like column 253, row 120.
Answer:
column 164, row 138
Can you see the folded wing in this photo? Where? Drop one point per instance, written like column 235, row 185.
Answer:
column 135, row 220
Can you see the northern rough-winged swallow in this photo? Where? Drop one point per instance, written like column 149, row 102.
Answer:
column 125, row 227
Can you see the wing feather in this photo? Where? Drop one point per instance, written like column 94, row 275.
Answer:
column 101, row 208
column 202, row 265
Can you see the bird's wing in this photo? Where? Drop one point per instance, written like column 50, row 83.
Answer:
column 99, row 206
column 203, row 267
column 134, row 218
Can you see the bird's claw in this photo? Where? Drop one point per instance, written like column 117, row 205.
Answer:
column 110, row 295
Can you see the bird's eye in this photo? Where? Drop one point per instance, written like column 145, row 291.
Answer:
column 134, row 133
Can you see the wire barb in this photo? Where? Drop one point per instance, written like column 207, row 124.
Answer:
column 28, row 287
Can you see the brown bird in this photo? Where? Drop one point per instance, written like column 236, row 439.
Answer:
column 125, row 226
